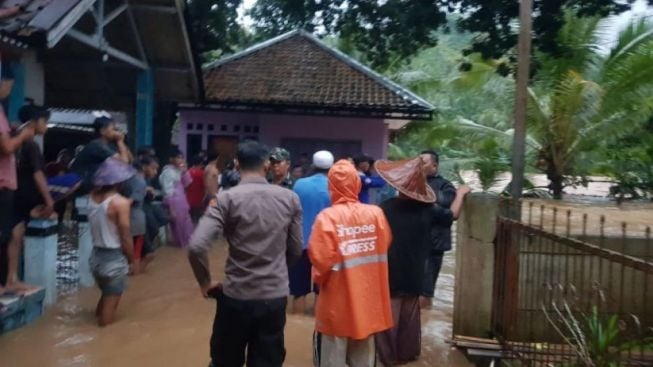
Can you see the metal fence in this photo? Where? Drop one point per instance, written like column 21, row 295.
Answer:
column 562, row 300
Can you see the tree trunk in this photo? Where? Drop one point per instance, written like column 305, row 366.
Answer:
column 556, row 183
column 521, row 98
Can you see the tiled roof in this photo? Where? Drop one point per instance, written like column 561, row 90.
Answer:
column 296, row 71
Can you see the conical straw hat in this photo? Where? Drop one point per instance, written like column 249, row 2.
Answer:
column 407, row 176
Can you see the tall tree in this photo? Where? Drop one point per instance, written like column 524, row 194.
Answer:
column 589, row 111
column 215, row 25
column 389, row 30
column 495, row 21
column 381, row 30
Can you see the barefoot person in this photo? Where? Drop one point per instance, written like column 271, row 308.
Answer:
column 263, row 227
column 348, row 249
column 32, row 189
column 8, row 146
column 113, row 248
column 313, row 194
column 174, row 180
column 138, row 189
column 410, row 216
column 196, row 192
column 441, row 229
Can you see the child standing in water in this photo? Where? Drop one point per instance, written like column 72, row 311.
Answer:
column 113, row 248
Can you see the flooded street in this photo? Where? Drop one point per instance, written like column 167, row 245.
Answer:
column 163, row 321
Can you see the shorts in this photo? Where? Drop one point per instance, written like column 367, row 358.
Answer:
column 111, row 286
column 110, row 268
column 6, row 215
column 23, row 207
column 300, row 277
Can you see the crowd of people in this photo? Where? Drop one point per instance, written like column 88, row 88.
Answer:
column 366, row 238
column 371, row 267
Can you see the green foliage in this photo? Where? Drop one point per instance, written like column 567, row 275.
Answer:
column 630, row 161
column 480, row 96
column 377, row 28
column 603, row 339
column 389, row 31
column 215, row 25
column 580, row 106
column 490, row 163
column 494, row 21
column 599, row 340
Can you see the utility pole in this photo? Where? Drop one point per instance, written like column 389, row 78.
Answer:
column 521, row 100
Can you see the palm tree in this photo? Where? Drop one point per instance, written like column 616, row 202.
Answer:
column 580, row 100
column 588, row 97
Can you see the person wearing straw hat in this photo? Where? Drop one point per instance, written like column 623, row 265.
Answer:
column 348, row 249
column 113, row 247
column 410, row 216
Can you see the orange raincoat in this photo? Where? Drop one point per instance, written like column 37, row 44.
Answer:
column 348, row 249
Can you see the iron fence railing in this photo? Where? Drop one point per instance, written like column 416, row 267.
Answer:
column 560, row 299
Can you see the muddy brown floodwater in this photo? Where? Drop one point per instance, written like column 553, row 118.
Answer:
column 163, row 321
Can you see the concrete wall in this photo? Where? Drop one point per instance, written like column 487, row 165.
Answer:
column 548, row 273
column 475, row 266
column 372, row 133
column 272, row 129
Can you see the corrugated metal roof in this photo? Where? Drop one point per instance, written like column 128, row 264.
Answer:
column 160, row 24
column 83, row 118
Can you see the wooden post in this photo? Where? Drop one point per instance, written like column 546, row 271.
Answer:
column 521, row 100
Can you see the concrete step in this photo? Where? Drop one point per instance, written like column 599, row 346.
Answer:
column 18, row 311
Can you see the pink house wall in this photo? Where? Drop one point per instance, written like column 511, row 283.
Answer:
column 271, row 129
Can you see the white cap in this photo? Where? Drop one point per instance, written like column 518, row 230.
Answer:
column 323, row 159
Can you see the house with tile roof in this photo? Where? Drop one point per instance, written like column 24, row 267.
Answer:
column 297, row 92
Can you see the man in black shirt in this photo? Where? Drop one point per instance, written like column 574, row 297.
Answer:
column 109, row 142
column 32, row 189
column 441, row 226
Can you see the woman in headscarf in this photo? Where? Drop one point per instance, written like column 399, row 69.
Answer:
column 174, row 179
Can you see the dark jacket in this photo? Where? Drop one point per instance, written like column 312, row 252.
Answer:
column 443, row 218
column 409, row 221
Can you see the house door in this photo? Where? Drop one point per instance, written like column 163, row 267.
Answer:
column 339, row 148
column 223, row 146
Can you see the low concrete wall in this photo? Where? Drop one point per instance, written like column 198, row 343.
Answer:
column 549, row 273
column 475, row 266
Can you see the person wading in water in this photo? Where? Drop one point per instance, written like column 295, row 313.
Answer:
column 262, row 224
